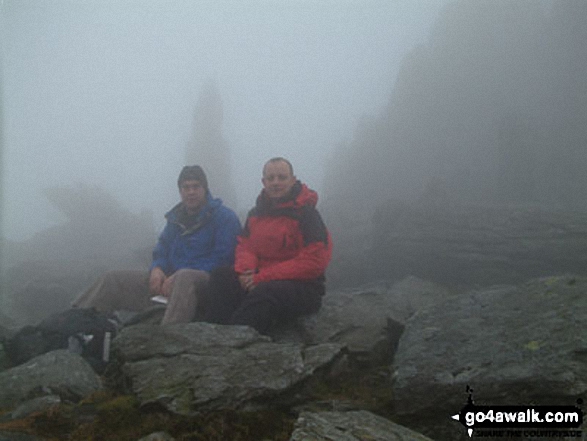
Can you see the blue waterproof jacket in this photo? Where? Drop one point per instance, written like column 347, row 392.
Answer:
column 208, row 244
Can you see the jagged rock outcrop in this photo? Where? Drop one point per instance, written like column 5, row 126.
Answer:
column 200, row 366
column 350, row 426
column 59, row 373
column 511, row 344
column 368, row 320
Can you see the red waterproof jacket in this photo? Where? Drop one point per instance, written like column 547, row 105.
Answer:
column 285, row 239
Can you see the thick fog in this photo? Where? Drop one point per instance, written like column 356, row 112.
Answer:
column 378, row 104
column 103, row 93
column 491, row 109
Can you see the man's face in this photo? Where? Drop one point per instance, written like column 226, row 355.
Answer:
column 193, row 195
column 277, row 179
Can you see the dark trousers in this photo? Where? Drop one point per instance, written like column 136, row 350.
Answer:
column 267, row 304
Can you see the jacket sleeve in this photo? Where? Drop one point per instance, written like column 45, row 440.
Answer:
column 228, row 227
column 162, row 249
column 245, row 258
column 312, row 260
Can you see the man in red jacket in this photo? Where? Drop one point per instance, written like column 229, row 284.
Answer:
column 280, row 258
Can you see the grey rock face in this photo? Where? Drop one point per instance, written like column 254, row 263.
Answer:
column 368, row 320
column 512, row 345
column 201, row 366
column 54, row 373
column 350, row 426
column 459, row 245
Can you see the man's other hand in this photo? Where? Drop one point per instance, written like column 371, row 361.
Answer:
column 167, row 286
column 246, row 280
column 156, row 281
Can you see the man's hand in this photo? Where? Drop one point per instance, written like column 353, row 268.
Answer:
column 168, row 286
column 246, row 280
column 156, row 280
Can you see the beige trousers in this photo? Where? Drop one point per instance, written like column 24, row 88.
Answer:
column 129, row 290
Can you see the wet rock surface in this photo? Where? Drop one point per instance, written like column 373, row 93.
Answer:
column 512, row 345
column 350, row 426
column 200, row 366
column 368, row 320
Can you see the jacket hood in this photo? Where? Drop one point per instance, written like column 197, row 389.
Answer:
column 211, row 205
column 300, row 195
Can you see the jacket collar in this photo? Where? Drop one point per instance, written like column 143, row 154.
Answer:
column 191, row 223
column 299, row 196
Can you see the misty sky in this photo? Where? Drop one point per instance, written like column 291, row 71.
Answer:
column 103, row 91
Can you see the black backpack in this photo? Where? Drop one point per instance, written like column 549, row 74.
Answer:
column 84, row 331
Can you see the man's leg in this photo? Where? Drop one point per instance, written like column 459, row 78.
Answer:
column 277, row 301
column 117, row 290
column 188, row 285
column 222, row 298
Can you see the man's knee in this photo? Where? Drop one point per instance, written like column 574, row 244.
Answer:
column 187, row 275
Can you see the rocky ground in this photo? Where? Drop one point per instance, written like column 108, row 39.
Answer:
column 209, row 382
column 398, row 375
column 110, row 416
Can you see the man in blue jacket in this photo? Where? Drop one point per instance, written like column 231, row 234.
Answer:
column 200, row 235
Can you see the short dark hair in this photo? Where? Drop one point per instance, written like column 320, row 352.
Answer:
column 279, row 159
column 193, row 172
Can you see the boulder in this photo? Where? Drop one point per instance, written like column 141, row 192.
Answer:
column 512, row 345
column 58, row 372
column 350, row 426
column 367, row 320
column 201, row 366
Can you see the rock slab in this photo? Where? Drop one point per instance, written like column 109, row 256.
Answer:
column 350, row 426
column 512, row 345
column 368, row 320
column 200, row 366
